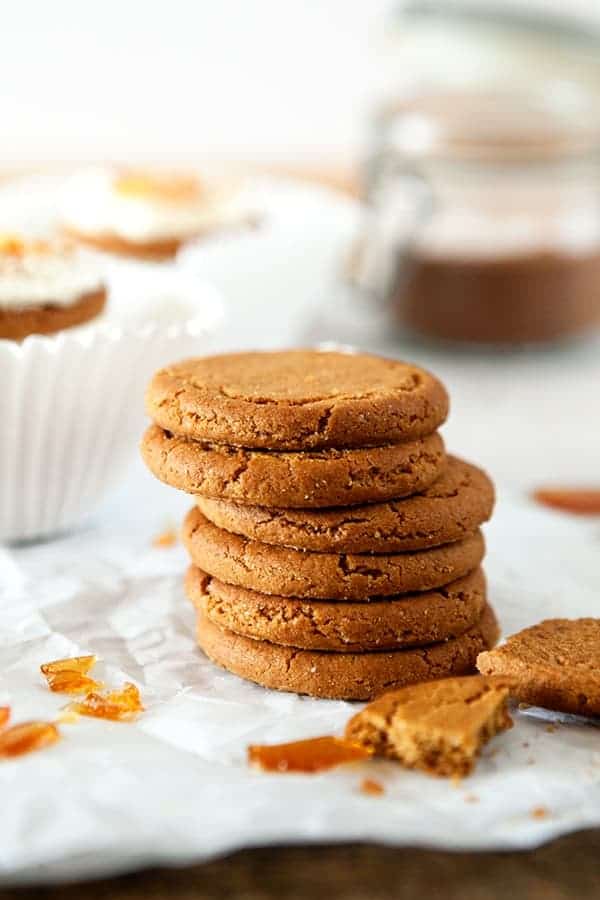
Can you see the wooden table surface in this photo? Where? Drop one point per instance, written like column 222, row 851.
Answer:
column 567, row 868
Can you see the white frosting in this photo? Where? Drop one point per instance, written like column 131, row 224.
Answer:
column 56, row 278
column 92, row 207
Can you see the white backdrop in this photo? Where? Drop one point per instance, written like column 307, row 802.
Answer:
column 182, row 78
column 287, row 79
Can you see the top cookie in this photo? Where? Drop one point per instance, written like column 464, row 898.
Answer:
column 297, row 400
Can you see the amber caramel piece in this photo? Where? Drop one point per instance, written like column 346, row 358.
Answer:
column 69, row 676
column 4, row 716
column 372, row 787
column 71, row 682
column 27, row 737
column 80, row 664
column 118, row 706
column 313, row 755
column 163, row 187
column 578, row 501
column 167, row 538
column 15, row 246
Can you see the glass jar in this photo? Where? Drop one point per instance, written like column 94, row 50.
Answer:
column 484, row 207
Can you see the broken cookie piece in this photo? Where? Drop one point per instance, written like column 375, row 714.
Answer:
column 555, row 664
column 436, row 726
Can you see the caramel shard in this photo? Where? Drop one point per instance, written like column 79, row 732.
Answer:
column 578, row 501
column 165, row 539
column 163, row 187
column 81, row 664
column 437, row 726
column 27, row 737
column 15, row 246
column 313, row 755
column 4, row 716
column 69, row 676
column 118, row 706
column 67, row 682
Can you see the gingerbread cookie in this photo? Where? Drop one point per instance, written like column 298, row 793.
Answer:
column 331, row 576
column 408, row 621
column 343, row 676
column 555, row 664
column 17, row 324
column 157, row 250
column 438, row 726
column 460, row 500
column 312, row 479
column 297, row 400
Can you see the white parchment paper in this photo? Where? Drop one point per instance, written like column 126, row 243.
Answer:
column 174, row 787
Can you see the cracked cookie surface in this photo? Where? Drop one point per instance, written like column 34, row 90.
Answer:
column 343, row 676
column 555, row 664
column 457, row 502
column 311, row 479
column 297, row 400
column 394, row 623
column 330, row 576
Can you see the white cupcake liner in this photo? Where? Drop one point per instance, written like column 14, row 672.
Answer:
column 72, row 413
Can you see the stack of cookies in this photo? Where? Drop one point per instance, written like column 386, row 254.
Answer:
column 335, row 547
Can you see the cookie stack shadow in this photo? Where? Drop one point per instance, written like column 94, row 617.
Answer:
column 336, row 549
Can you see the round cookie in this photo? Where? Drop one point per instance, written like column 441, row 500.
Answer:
column 410, row 621
column 17, row 324
column 155, row 250
column 457, row 503
column 553, row 664
column 344, row 676
column 329, row 576
column 312, row 479
column 297, row 400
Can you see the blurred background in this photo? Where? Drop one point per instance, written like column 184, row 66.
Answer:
column 186, row 81
column 264, row 80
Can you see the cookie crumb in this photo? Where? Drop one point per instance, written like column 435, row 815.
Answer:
column 540, row 812
column 372, row 787
column 166, row 539
column 471, row 798
column 551, row 728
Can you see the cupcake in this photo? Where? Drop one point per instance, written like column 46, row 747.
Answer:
column 147, row 215
column 71, row 398
column 45, row 287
